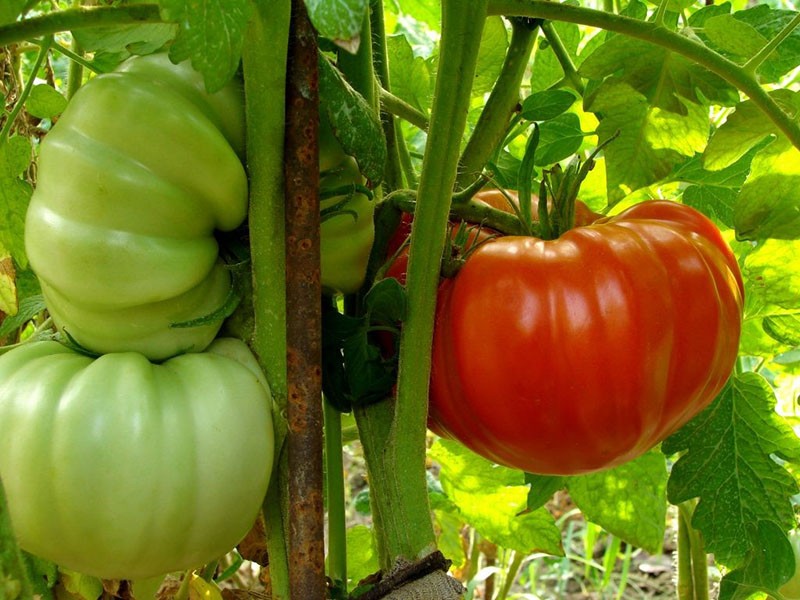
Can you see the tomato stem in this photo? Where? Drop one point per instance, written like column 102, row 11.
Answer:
column 334, row 478
column 78, row 18
column 266, row 44
column 503, row 101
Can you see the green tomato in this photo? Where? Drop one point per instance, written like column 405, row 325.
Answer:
column 347, row 230
column 138, row 173
column 124, row 469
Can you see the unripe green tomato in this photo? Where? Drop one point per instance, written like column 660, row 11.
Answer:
column 140, row 170
column 347, row 234
column 123, row 469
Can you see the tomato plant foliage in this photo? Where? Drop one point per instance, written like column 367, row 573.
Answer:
column 693, row 105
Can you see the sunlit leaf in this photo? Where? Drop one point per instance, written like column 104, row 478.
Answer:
column 651, row 141
column 734, row 36
column 628, row 501
column 727, row 462
column 211, row 34
column 494, row 500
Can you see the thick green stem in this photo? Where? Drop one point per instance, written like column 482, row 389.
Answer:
column 651, row 32
column 409, row 522
column 75, row 75
column 692, row 558
column 78, row 18
column 266, row 44
column 500, row 106
column 334, row 478
column 752, row 65
column 511, row 574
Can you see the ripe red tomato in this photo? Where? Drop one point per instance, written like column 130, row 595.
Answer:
column 581, row 353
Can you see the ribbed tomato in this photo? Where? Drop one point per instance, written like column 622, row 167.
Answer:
column 580, row 353
column 133, row 181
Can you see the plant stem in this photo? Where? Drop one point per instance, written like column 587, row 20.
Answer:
column 500, row 106
column 393, row 178
column 334, row 475
column 75, row 75
column 752, row 65
column 266, row 44
column 692, row 558
column 78, row 18
column 304, row 320
column 661, row 11
column 393, row 432
column 400, row 108
column 26, row 91
column 696, row 51
column 511, row 574
column 563, row 57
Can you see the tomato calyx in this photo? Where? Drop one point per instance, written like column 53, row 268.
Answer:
column 558, row 190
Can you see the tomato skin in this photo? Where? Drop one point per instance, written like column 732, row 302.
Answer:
column 138, row 173
column 123, row 469
column 345, row 239
column 578, row 354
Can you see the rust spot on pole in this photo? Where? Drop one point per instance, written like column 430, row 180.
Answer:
column 304, row 410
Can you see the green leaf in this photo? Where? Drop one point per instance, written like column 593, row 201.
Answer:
column 211, row 34
column 652, row 141
column 772, row 275
column 767, row 206
column 666, row 80
column 494, row 42
column 559, row 138
column 386, row 302
column 728, row 464
column 15, row 194
column 362, row 556
column 123, row 40
column 339, row 21
column 9, row 304
column 28, row 308
column 785, row 328
column 10, row 10
column 768, row 565
column 81, row 586
column 424, row 11
column 543, row 106
column 628, row 501
column 357, row 128
column 45, row 102
column 746, row 128
column 734, row 36
column 768, row 22
column 542, row 488
column 410, row 75
column 714, row 201
column 493, row 499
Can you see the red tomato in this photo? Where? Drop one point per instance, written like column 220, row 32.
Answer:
column 581, row 353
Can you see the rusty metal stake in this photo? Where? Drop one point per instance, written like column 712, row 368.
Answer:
column 306, row 531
